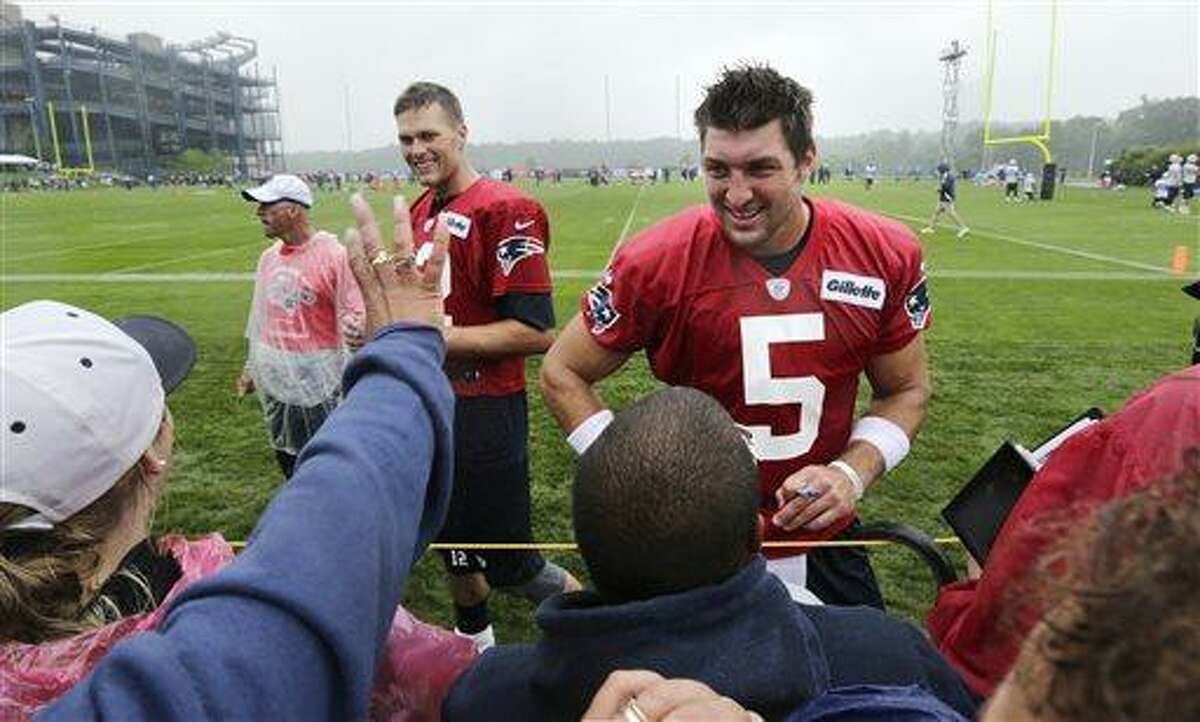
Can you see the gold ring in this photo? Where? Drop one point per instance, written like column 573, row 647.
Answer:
column 407, row 262
column 381, row 257
column 632, row 713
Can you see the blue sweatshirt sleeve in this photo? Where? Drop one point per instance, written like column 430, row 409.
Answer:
column 292, row 629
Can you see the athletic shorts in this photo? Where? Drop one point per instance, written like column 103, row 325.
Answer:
column 1010, row 189
column 490, row 501
column 1189, row 190
column 1172, row 191
column 842, row 576
column 945, row 201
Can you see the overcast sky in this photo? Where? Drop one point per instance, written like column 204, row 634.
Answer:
column 536, row 70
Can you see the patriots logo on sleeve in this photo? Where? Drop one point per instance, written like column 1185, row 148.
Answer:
column 515, row 249
column 917, row 304
column 600, row 305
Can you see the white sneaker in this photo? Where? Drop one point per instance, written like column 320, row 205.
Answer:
column 963, row 233
column 927, row 229
column 483, row 641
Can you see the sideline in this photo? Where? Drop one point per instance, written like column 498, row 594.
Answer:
column 84, row 249
column 1044, row 246
column 629, row 221
column 573, row 273
column 172, row 261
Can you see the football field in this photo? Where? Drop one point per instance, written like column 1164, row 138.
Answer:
column 1045, row 309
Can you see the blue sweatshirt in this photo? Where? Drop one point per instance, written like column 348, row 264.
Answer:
column 293, row 628
column 744, row 637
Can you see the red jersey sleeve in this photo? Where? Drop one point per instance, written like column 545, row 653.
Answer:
column 626, row 309
column 518, row 262
column 907, row 313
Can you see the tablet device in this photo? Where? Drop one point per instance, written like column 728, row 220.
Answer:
column 978, row 511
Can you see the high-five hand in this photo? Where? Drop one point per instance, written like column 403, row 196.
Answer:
column 394, row 287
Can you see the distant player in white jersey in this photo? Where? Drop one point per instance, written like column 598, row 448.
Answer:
column 1174, row 178
column 1160, row 193
column 1028, row 185
column 1012, row 177
column 869, row 175
column 1188, row 188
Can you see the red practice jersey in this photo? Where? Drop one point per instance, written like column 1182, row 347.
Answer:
column 781, row 353
column 499, row 238
column 974, row 622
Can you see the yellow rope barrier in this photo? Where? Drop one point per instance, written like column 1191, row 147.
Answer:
column 571, row 546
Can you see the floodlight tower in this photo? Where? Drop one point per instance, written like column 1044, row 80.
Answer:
column 951, row 59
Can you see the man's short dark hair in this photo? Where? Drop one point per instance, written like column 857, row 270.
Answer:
column 666, row 500
column 749, row 96
column 421, row 94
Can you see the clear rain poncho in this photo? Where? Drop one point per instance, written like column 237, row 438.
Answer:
column 306, row 316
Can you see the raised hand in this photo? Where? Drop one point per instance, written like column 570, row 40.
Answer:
column 394, row 287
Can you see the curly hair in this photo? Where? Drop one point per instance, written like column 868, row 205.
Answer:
column 1121, row 639
column 749, row 96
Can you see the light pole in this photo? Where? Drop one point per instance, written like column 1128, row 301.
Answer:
column 1092, row 154
column 30, row 102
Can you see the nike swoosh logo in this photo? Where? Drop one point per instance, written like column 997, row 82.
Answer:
column 522, row 225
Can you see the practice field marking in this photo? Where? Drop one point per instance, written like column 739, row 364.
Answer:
column 1046, row 246
column 180, row 259
column 128, row 278
column 629, row 221
column 78, row 249
column 571, row 273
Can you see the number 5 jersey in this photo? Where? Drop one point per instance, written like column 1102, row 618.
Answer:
column 781, row 352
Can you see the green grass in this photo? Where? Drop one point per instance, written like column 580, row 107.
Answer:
column 1027, row 332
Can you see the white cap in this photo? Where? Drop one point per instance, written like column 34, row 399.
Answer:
column 1174, row 158
column 1191, row 157
column 83, row 400
column 282, row 187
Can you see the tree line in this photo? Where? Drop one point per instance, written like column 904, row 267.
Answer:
column 1167, row 123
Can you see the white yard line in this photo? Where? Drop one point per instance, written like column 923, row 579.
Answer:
column 77, row 249
column 179, row 259
column 1047, row 246
column 576, row 273
column 629, row 221
column 1054, row 275
column 128, row 278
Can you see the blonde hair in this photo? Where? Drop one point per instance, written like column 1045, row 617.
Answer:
column 43, row 573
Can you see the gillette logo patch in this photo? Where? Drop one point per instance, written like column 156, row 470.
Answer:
column 866, row 291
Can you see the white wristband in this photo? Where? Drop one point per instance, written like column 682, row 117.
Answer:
column 886, row 436
column 852, row 474
column 587, row 432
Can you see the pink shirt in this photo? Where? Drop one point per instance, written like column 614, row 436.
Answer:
column 301, row 294
column 305, row 300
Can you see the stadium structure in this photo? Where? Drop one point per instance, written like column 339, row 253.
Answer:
column 80, row 100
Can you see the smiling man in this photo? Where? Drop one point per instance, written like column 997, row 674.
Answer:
column 774, row 304
column 499, row 309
